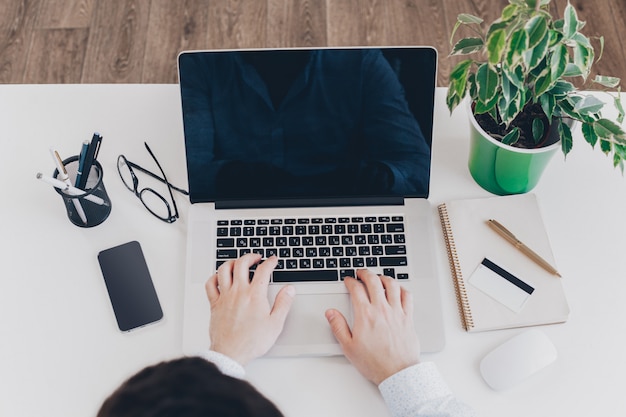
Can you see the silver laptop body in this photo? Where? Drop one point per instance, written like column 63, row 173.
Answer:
column 220, row 224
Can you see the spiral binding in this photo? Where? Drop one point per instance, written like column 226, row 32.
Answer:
column 459, row 285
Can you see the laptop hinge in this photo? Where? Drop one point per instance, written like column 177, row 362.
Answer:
column 311, row 202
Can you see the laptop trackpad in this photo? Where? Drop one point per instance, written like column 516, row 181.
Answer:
column 306, row 323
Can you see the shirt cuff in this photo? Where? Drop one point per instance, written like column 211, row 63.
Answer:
column 412, row 388
column 225, row 364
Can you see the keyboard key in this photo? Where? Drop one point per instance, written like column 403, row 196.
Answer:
column 222, row 222
column 255, row 242
column 281, row 241
column 314, row 230
column 307, row 241
column 395, row 228
column 305, row 263
column 298, row 252
column 249, row 222
column 248, row 231
column 395, row 250
column 358, row 262
column 222, row 231
column 226, row 243
column 242, row 242
column 271, row 252
column 334, row 240
column 325, row 251
column 277, row 221
column 303, row 221
column 371, row 261
column 330, row 220
column 236, row 222
column 398, row 239
column 261, row 231
column 318, row 263
column 235, row 231
column 305, row 276
column 346, row 273
column 331, row 263
column 390, row 272
column 274, row 230
column 291, row 264
column 370, row 219
column 226, row 253
column 393, row 261
column 397, row 219
column 311, row 252
column 284, row 253
column 264, row 221
column 402, row 276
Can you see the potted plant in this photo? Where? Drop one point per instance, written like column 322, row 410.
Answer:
column 522, row 97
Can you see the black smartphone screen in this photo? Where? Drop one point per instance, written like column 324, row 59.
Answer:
column 131, row 291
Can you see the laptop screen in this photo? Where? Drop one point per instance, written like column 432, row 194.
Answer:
column 308, row 123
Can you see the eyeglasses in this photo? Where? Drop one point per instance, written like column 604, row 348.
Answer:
column 152, row 200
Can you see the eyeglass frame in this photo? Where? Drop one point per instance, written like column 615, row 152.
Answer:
column 171, row 218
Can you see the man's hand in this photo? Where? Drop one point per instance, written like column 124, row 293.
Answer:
column 243, row 324
column 383, row 339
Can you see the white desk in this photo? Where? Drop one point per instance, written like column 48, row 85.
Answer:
column 61, row 352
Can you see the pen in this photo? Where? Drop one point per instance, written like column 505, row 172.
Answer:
column 71, row 190
column 90, row 156
column 66, row 179
column 81, row 163
column 505, row 233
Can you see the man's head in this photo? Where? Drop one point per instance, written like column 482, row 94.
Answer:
column 187, row 387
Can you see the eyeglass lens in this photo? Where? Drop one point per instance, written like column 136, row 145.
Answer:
column 153, row 201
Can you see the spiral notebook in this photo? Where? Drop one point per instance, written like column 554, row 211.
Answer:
column 497, row 286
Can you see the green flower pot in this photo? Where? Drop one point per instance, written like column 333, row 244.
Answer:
column 503, row 169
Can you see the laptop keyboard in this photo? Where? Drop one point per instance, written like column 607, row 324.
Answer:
column 318, row 248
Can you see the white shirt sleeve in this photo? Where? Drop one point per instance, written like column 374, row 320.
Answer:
column 225, row 364
column 420, row 391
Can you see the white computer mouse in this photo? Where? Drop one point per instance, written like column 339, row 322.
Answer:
column 517, row 359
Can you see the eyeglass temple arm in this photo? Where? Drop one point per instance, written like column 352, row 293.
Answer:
column 156, row 177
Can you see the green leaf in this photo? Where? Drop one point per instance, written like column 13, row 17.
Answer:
column 607, row 129
column 464, row 19
column 467, row 46
column 572, row 70
column 605, row 146
column 508, row 12
column 542, row 84
column 561, row 88
column 609, row 82
column 468, row 19
column 589, row 134
column 515, row 75
column 452, row 99
column 481, row 107
column 588, row 105
column 518, row 44
column 511, row 137
column 570, row 21
column 495, row 45
column 487, row 80
column 583, row 58
column 532, row 57
column 458, row 77
column 538, row 130
column 537, row 29
column 566, row 138
column 531, row 3
column 620, row 109
column 548, row 102
column 558, row 62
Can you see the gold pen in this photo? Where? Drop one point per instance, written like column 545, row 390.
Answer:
column 505, row 233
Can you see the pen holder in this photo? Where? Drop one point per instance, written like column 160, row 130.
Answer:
column 95, row 203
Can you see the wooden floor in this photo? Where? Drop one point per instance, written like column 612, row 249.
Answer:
column 136, row 41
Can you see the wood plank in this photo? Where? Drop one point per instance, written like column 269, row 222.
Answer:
column 405, row 27
column 355, row 23
column 17, row 21
column 64, row 14
column 117, row 42
column 187, row 28
column 237, row 24
column 297, row 23
column 56, row 56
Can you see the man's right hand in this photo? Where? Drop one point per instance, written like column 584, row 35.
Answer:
column 382, row 340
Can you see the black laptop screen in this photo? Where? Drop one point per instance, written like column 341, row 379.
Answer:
column 303, row 124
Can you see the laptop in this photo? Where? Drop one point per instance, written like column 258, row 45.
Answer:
column 320, row 156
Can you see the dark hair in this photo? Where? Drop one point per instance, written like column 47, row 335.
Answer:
column 186, row 387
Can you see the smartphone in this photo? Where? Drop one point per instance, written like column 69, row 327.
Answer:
column 131, row 291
